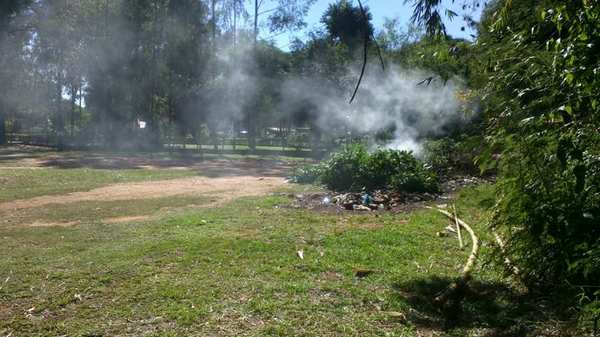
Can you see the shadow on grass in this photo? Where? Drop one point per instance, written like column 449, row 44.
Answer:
column 12, row 153
column 208, row 167
column 493, row 309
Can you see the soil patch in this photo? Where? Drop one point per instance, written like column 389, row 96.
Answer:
column 218, row 190
column 223, row 189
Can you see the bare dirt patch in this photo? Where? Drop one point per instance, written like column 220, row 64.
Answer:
column 124, row 219
column 219, row 190
column 218, row 180
column 53, row 224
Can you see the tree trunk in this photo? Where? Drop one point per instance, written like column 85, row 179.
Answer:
column 60, row 118
column 233, row 118
column 3, row 137
column 72, row 119
column 214, row 23
column 212, row 125
column 250, row 115
column 316, row 136
column 80, row 96
column 234, row 24
column 235, row 134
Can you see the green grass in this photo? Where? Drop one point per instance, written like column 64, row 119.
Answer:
column 26, row 183
column 232, row 270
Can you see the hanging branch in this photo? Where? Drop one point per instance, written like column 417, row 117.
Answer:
column 368, row 37
column 365, row 50
column 379, row 53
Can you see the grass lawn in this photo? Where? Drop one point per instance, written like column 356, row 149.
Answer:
column 56, row 173
column 234, row 270
column 175, row 267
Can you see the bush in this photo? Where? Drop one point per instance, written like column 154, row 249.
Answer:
column 398, row 170
column 543, row 136
column 355, row 169
column 550, row 206
column 447, row 156
column 344, row 171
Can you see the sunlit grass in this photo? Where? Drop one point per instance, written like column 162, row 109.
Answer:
column 232, row 270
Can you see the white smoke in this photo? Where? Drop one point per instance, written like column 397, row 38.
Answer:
column 404, row 101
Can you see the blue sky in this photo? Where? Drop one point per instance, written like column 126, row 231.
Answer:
column 380, row 9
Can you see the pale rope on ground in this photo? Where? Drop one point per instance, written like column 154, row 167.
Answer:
column 466, row 273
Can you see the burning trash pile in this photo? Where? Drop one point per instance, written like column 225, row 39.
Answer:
column 378, row 200
column 362, row 201
column 371, row 181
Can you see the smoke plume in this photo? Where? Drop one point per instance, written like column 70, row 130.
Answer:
column 409, row 104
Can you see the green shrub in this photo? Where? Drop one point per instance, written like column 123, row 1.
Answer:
column 355, row 169
column 544, row 139
column 398, row 170
column 550, row 206
column 344, row 171
column 446, row 156
column 437, row 154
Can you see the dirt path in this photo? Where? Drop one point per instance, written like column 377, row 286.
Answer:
column 220, row 190
column 219, row 180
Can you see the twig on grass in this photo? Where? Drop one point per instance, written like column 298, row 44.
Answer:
column 460, row 241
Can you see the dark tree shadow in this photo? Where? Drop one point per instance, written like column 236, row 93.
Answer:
column 11, row 153
column 493, row 309
column 207, row 167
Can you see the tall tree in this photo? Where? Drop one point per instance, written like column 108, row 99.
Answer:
column 8, row 11
column 346, row 24
column 282, row 15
